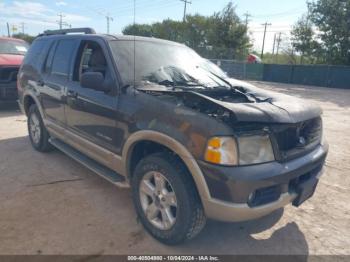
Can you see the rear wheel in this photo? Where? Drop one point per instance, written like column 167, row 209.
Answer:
column 166, row 199
column 38, row 135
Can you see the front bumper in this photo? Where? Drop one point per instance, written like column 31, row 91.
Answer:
column 249, row 192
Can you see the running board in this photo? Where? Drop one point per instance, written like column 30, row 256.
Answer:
column 91, row 164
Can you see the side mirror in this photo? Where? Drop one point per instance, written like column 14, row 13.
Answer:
column 93, row 80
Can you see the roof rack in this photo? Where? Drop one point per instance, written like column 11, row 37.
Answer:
column 85, row 30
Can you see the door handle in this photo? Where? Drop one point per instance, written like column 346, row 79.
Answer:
column 72, row 94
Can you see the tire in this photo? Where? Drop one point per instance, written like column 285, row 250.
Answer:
column 40, row 137
column 188, row 211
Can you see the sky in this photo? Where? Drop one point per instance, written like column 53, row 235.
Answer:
column 35, row 16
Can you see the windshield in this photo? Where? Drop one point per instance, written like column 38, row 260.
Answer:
column 165, row 64
column 13, row 47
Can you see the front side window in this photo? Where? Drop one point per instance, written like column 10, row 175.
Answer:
column 62, row 58
column 90, row 59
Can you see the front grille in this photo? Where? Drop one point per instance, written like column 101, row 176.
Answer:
column 8, row 74
column 294, row 139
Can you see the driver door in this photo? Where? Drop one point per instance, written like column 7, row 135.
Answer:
column 90, row 113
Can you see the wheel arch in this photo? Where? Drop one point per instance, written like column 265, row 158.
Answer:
column 172, row 145
column 28, row 100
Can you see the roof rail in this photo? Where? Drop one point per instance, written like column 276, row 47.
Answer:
column 85, row 30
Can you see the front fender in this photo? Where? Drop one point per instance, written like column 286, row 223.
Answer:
column 173, row 145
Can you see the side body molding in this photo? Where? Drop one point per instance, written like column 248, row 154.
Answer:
column 173, row 145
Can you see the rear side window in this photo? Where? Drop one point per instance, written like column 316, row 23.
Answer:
column 63, row 57
column 36, row 53
column 49, row 59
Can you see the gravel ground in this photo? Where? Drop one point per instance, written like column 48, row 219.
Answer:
column 49, row 204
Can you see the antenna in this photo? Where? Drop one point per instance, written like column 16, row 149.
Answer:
column 134, row 48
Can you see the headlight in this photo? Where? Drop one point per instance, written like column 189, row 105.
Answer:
column 255, row 149
column 222, row 151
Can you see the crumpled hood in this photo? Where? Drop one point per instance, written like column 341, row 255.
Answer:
column 270, row 107
column 283, row 111
column 279, row 108
column 11, row 60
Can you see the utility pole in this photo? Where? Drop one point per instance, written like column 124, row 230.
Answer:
column 22, row 26
column 8, row 30
column 274, row 45
column 60, row 22
column 185, row 8
column 263, row 46
column 247, row 15
column 279, row 40
column 109, row 19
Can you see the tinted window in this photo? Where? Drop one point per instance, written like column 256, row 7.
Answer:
column 36, row 53
column 49, row 58
column 63, row 54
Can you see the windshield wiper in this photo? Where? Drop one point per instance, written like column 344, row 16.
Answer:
column 247, row 95
column 175, row 84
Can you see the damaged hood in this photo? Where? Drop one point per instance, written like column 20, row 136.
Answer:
column 264, row 106
column 279, row 108
column 273, row 111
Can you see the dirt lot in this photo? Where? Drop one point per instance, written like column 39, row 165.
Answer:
column 49, row 204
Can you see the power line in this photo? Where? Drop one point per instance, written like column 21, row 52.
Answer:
column 291, row 11
column 263, row 46
column 185, row 7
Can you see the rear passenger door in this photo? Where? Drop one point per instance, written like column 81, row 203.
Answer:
column 56, row 73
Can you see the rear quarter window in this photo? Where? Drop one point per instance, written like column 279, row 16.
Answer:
column 36, row 53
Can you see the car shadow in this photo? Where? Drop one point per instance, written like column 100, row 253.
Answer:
column 242, row 238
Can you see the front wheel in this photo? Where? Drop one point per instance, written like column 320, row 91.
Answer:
column 166, row 199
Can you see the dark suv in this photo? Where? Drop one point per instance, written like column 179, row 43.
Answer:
column 153, row 115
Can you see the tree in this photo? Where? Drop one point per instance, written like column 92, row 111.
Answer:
column 332, row 19
column 138, row 29
column 303, row 40
column 221, row 35
column 228, row 35
column 28, row 38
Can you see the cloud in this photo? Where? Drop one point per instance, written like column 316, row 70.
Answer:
column 61, row 3
column 33, row 12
